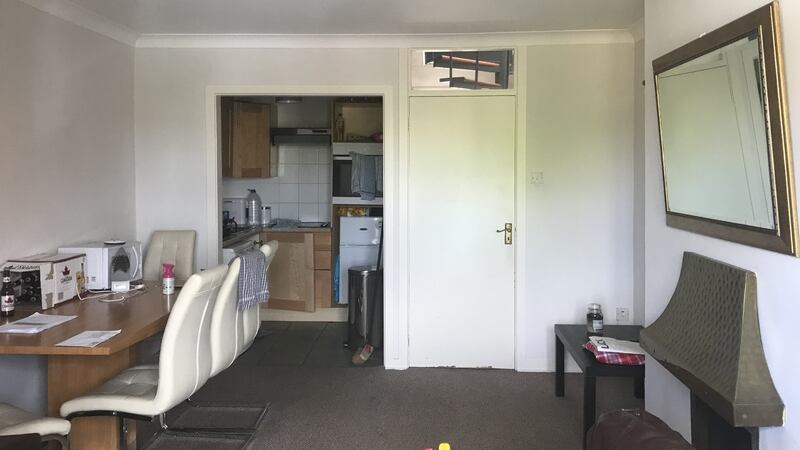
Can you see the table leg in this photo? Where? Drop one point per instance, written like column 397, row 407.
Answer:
column 589, row 404
column 71, row 376
column 559, row 368
column 638, row 387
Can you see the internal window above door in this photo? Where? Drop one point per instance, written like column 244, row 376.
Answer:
column 462, row 69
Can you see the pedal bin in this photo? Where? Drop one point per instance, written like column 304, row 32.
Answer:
column 365, row 309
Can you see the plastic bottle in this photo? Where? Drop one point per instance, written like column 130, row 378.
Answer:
column 253, row 205
column 168, row 279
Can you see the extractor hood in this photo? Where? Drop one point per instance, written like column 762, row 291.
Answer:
column 300, row 136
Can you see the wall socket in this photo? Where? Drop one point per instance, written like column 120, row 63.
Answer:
column 623, row 315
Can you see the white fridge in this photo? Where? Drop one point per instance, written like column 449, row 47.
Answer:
column 359, row 238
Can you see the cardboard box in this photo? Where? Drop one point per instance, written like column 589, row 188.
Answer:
column 61, row 277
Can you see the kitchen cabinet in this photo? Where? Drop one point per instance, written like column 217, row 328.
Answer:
column 300, row 274
column 323, row 283
column 361, row 120
column 245, row 139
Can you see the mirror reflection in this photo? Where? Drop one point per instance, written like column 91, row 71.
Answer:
column 714, row 137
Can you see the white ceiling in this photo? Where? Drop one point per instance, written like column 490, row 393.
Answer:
column 364, row 16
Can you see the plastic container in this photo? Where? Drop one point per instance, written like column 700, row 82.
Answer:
column 253, row 208
column 168, row 279
column 266, row 215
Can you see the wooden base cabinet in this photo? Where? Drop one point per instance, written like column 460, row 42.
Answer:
column 300, row 275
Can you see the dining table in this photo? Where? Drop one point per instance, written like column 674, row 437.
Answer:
column 75, row 371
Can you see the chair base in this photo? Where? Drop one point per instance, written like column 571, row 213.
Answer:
column 165, row 428
column 63, row 440
column 264, row 408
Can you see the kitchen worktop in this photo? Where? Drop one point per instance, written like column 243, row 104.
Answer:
column 246, row 232
column 297, row 229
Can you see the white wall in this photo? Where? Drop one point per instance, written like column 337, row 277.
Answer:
column 580, row 135
column 668, row 26
column 66, row 121
column 170, row 103
column 66, row 153
column 580, row 221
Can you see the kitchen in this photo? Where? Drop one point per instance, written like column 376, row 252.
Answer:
column 287, row 175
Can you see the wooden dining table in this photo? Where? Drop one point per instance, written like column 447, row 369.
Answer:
column 75, row 371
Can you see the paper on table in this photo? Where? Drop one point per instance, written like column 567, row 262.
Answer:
column 88, row 338
column 607, row 344
column 35, row 323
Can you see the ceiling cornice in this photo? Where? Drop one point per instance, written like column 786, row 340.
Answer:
column 477, row 40
column 73, row 13
column 66, row 10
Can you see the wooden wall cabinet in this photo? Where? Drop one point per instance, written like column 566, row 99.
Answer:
column 361, row 120
column 300, row 274
column 245, row 139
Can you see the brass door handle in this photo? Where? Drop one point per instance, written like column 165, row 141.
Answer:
column 508, row 229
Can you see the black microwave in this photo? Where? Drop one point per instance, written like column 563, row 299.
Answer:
column 341, row 183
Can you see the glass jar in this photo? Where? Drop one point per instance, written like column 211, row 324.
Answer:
column 594, row 318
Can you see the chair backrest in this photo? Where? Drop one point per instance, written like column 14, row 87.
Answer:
column 224, row 320
column 173, row 247
column 185, row 362
column 250, row 322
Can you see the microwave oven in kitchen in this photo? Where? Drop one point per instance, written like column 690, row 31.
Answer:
column 342, row 173
column 109, row 262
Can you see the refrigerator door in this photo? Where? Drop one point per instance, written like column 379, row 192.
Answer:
column 360, row 231
column 364, row 255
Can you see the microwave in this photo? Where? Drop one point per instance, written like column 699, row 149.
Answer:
column 342, row 173
column 108, row 262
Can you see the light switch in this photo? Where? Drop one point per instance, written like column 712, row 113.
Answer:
column 537, row 178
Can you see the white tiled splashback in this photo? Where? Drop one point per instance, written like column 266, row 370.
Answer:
column 302, row 189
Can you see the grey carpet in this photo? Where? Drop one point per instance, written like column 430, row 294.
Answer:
column 317, row 407
column 171, row 442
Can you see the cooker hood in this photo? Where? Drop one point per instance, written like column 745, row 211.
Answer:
column 301, row 136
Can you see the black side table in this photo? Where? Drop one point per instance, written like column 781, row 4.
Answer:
column 572, row 337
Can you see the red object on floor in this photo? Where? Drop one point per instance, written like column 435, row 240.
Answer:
column 623, row 359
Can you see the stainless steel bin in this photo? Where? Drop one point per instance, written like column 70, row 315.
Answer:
column 365, row 310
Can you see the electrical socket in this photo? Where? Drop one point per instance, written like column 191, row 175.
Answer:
column 623, row 315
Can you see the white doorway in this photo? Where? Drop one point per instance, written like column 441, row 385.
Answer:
column 461, row 270
column 395, row 329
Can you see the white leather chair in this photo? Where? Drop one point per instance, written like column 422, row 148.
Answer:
column 173, row 247
column 224, row 321
column 251, row 318
column 17, row 421
column 233, row 330
column 145, row 392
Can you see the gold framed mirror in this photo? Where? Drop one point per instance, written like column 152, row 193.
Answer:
column 725, row 149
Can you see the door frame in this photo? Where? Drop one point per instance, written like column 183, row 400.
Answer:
column 395, row 303
column 520, row 173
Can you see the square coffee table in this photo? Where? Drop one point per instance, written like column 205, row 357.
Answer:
column 572, row 338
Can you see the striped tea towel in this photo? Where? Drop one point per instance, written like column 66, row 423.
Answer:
column 253, row 287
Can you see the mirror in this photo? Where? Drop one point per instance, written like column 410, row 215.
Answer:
column 724, row 144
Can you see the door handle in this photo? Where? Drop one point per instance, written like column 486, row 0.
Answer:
column 508, row 229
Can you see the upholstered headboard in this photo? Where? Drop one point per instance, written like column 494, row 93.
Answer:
column 709, row 337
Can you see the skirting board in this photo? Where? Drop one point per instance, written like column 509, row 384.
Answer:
column 320, row 315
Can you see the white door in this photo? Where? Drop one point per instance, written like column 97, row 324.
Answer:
column 461, row 192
